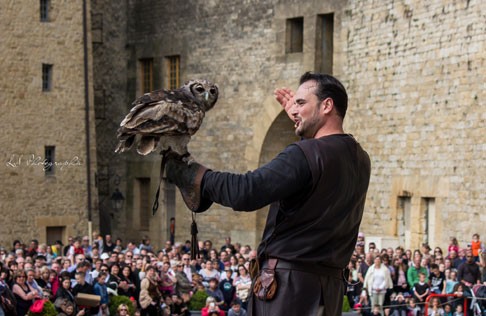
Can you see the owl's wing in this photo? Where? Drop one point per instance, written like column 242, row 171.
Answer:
column 156, row 114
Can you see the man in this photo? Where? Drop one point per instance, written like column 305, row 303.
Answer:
column 187, row 268
column 317, row 189
column 413, row 272
column 468, row 273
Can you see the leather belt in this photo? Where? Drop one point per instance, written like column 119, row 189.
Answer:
column 308, row 267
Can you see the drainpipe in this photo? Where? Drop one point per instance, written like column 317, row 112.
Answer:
column 87, row 127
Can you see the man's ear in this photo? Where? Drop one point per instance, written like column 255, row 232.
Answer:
column 327, row 105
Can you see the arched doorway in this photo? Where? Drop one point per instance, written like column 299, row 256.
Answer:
column 279, row 135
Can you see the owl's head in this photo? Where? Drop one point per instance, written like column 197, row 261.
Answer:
column 204, row 91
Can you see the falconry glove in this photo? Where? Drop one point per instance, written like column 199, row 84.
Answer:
column 188, row 177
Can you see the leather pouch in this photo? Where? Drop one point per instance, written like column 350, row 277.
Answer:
column 265, row 286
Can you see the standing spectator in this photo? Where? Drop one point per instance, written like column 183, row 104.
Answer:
column 101, row 289
column 172, row 229
column 183, row 286
column 437, row 279
column 377, row 281
column 242, row 284
column 468, row 273
column 87, row 248
column 108, row 244
column 352, row 285
column 227, row 288
column 83, row 287
column 187, row 267
column 453, row 246
column 24, row 294
column 451, row 283
column 455, row 260
column 421, row 289
column 400, row 283
column 149, row 293
column 214, row 291
column 126, row 287
column 209, row 272
column 364, row 266
column 64, row 291
column 414, row 271
column 475, row 247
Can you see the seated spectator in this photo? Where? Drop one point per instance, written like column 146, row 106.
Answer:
column 412, row 308
column 214, row 291
column 236, row 309
column 435, row 309
column 211, row 308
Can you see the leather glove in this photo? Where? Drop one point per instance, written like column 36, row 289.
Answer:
column 187, row 177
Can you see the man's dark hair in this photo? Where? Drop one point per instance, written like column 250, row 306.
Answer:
column 329, row 87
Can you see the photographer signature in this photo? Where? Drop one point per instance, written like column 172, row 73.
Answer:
column 33, row 160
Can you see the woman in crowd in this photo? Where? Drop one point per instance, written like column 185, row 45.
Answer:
column 211, row 308
column 23, row 293
column 400, row 283
column 126, row 287
column 208, row 273
column 64, row 292
column 149, row 293
column 242, row 284
column 377, row 281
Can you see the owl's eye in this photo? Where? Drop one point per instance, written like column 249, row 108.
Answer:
column 212, row 90
column 200, row 89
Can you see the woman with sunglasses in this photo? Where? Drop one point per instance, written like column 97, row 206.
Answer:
column 24, row 294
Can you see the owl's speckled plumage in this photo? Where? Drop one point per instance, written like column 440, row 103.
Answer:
column 167, row 118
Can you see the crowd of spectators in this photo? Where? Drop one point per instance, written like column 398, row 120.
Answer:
column 390, row 281
column 157, row 282
column 395, row 281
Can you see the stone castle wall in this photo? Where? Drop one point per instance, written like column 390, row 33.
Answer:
column 413, row 73
column 30, row 201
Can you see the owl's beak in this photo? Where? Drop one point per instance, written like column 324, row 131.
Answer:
column 206, row 95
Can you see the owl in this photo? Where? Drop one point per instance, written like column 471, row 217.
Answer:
column 167, row 119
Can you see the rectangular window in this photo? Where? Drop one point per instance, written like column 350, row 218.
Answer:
column 44, row 10
column 46, row 77
column 173, row 72
column 295, row 35
column 54, row 233
column 403, row 220
column 49, row 159
column 324, row 45
column 147, row 75
column 428, row 220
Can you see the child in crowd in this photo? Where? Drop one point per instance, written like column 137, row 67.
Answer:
column 236, row 309
column 421, row 289
column 435, row 309
column 475, row 247
column 413, row 308
column 450, row 282
column 447, row 310
column 458, row 311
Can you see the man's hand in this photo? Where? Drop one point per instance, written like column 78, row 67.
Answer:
column 285, row 97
